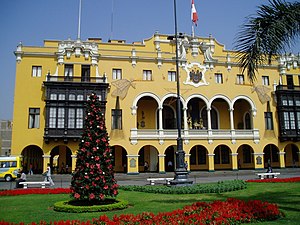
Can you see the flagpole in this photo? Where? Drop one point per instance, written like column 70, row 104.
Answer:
column 79, row 20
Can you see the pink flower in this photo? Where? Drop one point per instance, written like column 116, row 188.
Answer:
column 77, row 196
column 92, row 196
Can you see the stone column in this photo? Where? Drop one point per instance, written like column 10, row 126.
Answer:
column 74, row 158
column 161, row 159
column 258, row 161
column 133, row 164
column 234, row 161
column 46, row 161
column 281, row 159
column 211, row 162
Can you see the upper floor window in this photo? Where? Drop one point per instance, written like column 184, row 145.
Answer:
column 68, row 72
column 147, row 75
column 265, row 80
column 36, row 71
column 34, row 118
column 268, row 121
column 75, row 118
column 171, row 76
column 290, row 81
column 218, row 78
column 240, row 79
column 116, row 115
column 85, row 73
column 116, row 74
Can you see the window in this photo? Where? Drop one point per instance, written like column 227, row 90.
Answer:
column 240, row 79
column 265, row 80
column 68, row 72
column 36, row 71
column 79, row 97
column 289, row 120
column 75, row 118
column 116, row 119
column 61, row 118
column 147, row 75
column 71, row 97
column 290, row 81
column 218, row 78
column 79, row 118
column 61, row 97
column 71, row 118
column 117, row 74
column 268, row 121
column 85, row 73
column 171, row 76
column 53, row 96
column 34, row 118
column 52, row 118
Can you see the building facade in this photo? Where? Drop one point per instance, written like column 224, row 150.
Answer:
column 5, row 137
column 227, row 123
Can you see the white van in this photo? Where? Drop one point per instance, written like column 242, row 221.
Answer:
column 9, row 167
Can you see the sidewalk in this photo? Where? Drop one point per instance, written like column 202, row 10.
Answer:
column 64, row 180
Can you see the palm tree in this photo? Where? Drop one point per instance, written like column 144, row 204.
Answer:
column 275, row 28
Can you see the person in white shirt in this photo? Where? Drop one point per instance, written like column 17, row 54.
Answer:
column 48, row 175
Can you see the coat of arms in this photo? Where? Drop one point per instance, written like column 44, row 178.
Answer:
column 195, row 74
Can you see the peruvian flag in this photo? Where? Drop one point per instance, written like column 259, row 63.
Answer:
column 194, row 15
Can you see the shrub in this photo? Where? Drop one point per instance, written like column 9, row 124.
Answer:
column 222, row 186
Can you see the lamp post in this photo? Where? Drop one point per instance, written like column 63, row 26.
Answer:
column 181, row 174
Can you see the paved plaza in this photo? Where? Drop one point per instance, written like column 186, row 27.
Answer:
column 64, row 180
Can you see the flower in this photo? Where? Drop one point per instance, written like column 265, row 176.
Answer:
column 77, row 196
column 92, row 196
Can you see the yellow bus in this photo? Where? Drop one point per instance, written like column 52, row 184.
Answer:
column 9, row 167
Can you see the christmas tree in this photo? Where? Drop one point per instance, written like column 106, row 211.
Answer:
column 93, row 178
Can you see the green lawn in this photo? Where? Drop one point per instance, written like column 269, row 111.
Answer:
column 29, row 208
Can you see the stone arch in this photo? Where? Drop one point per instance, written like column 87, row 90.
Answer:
column 33, row 155
column 145, row 94
column 271, row 156
column 198, row 158
column 60, row 159
column 120, row 158
column 291, row 156
column 170, row 158
column 148, row 154
column 226, row 99
column 222, row 158
column 245, row 157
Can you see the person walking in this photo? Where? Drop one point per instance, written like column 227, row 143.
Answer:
column 21, row 179
column 48, row 175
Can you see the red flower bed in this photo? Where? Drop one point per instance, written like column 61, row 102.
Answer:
column 231, row 211
column 35, row 191
column 276, row 180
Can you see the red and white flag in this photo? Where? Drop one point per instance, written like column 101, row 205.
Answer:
column 194, row 15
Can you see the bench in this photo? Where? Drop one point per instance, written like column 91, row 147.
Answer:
column 267, row 175
column 41, row 183
column 152, row 180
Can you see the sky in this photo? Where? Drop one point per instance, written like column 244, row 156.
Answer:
column 33, row 21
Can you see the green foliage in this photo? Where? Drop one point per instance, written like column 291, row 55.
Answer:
column 93, row 178
column 220, row 187
column 81, row 206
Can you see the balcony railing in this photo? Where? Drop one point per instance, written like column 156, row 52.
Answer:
column 187, row 135
column 81, row 79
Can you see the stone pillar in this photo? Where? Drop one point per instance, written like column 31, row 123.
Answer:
column 211, row 162
column 162, row 166
column 46, row 161
column 281, row 159
column 208, row 119
column 74, row 158
column 160, row 118
column 259, row 161
column 133, row 164
column 231, row 119
column 234, row 161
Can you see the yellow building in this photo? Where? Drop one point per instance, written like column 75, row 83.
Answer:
column 227, row 123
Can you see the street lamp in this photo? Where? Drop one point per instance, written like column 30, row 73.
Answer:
column 181, row 173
